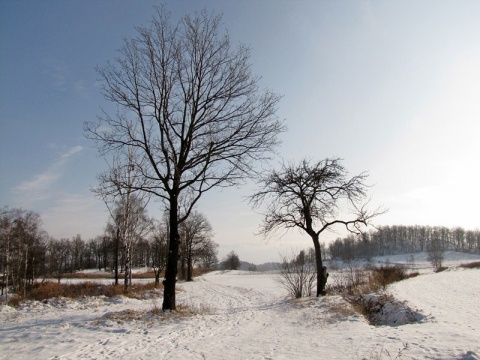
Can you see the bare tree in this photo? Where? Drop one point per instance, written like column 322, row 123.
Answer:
column 21, row 245
column 58, row 254
column 130, row 217
column 231, row 261
column 208, row 255
column 195, row 233
column 435, row 253
column 159, row 245
column 119, row 189
column 190, row 106
column 308, row 197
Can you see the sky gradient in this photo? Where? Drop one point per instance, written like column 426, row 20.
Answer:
column 393, row 88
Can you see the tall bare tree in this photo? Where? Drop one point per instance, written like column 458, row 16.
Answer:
column 308, row 197
column 190, row 105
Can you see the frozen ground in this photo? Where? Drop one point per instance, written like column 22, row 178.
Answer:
column 245, row 315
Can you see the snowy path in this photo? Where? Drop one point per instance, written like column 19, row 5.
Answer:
column 247, row 316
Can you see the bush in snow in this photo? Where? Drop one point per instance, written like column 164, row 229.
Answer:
column 297, row 275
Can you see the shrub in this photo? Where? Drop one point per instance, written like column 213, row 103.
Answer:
column 297, row 275
column 355, row 281
column 385, row 275
column 350, row 281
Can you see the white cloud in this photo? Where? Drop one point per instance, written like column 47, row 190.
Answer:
column 40, row 187
column 72, row 151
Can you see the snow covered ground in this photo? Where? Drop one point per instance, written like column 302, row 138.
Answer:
column 245, row 315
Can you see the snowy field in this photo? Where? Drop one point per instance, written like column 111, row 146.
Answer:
column 245, row 315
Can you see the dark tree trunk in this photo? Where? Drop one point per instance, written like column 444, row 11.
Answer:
column 172, row 258
column 189, row 267
column 322, row 273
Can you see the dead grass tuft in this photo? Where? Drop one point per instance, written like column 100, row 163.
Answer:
column 188, row 309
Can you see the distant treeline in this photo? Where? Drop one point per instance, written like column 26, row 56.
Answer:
column 28, row 253
column 401, row 239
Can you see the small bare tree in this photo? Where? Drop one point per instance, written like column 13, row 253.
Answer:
column 308, row 197
column 188, row 102
column 297, row 274
column 195, row 233
column 435, row 253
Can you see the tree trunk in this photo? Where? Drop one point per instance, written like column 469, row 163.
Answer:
column 128, row 267
column 172, row 259
column 117, row 250
column 322, row 273
column 189, row 266
column 157, row 277
column 183, row 271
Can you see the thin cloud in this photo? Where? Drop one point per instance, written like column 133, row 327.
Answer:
column 39, row 188
column 63, row 79
column 81, row 89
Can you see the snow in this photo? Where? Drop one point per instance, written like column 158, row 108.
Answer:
column 246, row 315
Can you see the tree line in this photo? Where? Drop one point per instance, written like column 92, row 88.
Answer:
column 402, row 239
column 28, row 253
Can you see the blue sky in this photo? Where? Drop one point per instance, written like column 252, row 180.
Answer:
column 390, row 87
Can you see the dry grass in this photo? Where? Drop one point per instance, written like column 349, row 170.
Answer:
column 188, row 309
column 48, row 289
column 472, row 265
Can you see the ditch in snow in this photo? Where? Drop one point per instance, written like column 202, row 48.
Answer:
column 383, row 309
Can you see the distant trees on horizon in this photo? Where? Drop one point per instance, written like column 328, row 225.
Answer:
column 404, row 239
column 28, row 253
